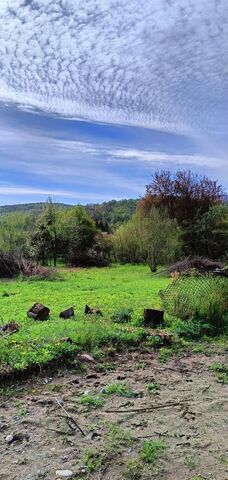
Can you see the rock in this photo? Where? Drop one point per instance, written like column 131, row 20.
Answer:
column 86, row 358
column 92, row 311
column 38, row 312
column 16, row 437
column 9, row 438
column 153, row 318
column 64, row 474
column 68, row 313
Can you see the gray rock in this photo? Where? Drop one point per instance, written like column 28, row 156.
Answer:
column 10, row 438
column 64, row 474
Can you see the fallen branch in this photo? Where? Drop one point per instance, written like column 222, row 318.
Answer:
column 146, row 409
column 8, row 334
column 70, row 420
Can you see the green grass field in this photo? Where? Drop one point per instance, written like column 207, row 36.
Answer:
column 110, row 289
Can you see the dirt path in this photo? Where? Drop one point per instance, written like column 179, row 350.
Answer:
column 186, row 409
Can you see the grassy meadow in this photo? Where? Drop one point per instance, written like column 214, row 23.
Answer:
column 111, row 289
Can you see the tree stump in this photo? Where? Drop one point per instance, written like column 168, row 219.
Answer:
column 92, row 311
column 68, row 313
column 38, row 312
column 153, row 318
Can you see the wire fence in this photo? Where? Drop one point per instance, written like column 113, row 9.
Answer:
column 187, row 294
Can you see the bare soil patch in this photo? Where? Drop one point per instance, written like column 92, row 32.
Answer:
column 186, row 409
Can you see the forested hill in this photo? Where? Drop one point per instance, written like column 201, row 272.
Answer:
column 112, row 213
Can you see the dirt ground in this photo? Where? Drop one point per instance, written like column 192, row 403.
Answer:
column 188, row 413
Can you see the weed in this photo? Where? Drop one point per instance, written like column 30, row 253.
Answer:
column 92, row 401
column 221, row 372
column 153, row 387
column 165, row 354
column 132, row 469
column 123, row 315
column 151, row 451
column 120, row 389
column 116, row 440
column 140, row 365
column 197, row 477
column 189, row 461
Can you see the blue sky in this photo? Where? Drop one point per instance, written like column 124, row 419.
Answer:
column 95, row 96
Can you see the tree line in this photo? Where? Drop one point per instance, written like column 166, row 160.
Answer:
column 180, row 214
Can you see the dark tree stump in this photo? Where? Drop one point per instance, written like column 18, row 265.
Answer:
column 153, row 318
column 68, row 313
column 92, row 311
column 38, row 312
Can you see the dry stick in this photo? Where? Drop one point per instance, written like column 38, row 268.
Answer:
column 145, row 409
column 10, row 333
column 70, row 419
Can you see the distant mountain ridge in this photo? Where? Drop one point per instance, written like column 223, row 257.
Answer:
column 113, row 213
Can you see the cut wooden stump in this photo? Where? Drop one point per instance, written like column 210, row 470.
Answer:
column 68, row 313
column 92, row 311
column 38, row 312
column 153, row 318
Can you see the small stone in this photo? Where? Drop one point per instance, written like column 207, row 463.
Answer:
column 86, row 392
column 64, row 473
column 86, row 358
column 9, row 438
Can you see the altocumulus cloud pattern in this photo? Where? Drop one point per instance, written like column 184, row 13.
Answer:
column 155, row 63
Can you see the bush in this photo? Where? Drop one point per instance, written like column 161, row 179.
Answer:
column 123, row 315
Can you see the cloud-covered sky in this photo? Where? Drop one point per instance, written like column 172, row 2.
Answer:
column 95, row 95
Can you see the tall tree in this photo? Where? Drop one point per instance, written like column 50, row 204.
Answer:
column 186, row 196
column 44, row 239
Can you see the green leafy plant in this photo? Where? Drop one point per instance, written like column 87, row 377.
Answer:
column 151, row 451
column 93, row 401
column 120, row 389
column 221, row 372
column 132, row 470
column 153, row 387
column 123, row 315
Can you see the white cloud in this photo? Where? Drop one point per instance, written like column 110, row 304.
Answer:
column 163, row 158
column 24, row 190
column 160, row 63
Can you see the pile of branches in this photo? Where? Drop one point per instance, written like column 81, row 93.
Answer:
column 203, row 265
column 9, row 265
column 12, row 266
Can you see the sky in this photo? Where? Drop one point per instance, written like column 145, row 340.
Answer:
column 97, row 95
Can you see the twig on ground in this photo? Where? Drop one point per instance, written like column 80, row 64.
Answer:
column 146, row 409
column 70, row 420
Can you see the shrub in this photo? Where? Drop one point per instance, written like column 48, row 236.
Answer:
column 123, row 315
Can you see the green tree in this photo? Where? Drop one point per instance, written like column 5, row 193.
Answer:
column 77, row 230
column 44, row 239
column 211, row 232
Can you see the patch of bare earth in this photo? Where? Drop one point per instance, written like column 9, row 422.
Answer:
column 188, row 413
